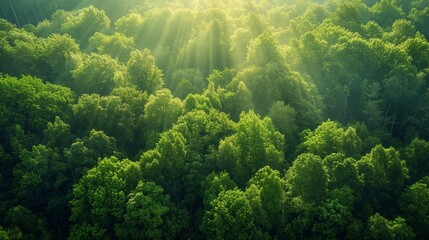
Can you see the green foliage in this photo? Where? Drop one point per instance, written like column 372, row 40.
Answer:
column 341, row 171
column 307, row 179
column 31, row 103
column 332, row 220
column 208, row 99
column 111, row 200
column 20, row 52
column 263, row 50
column 275, row 82
column 24, row 224
column 420, row 17
column 97, row 74
column 386, row 11
column 160, row 112
column 142, row 71
column 128, row 24
column 215, row 184
column 416, row 157
column 254, row 145
column 4, row 234
column 166, row 163
column 381, row 228
column 197, row 102
column 62, row 54
column 267, row 199
column 196, row 53
column 384, row 175
column 186, row 81
column 147, row 209
column 230, row 217
column 108, row 114
column 418, row 49
column 41, row 171
column 83, row 154
column 414, row 204
column 236, row 102
column 82, row 24
column 58, row 134
column 117, row 45
column 284, row 119
column 329, row 138
column 204, row 130
column 401, row 31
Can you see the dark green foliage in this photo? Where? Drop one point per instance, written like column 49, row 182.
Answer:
column 185, row 119
column 267, row 196
column 416, row 155
column 284, row 119
column 341, row 171
column 108, row 114
column 83, row 154
column 121, row 206
column 255, row 144
column 96, row 74
column 230, row 217
column 30, row 103
column 381, row 228
column 383, row 174
column 307, row 179
column 332, row 220
column 21, row 223
column 40, row 172
column 414, row 204
column 215, row 184
column 271, row 81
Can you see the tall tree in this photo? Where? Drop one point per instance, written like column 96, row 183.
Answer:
column 307, row 179
column 108, row 114
column 381, row 228
column 414, row 204
column 416, row 155
column 230, row 217
column 97, row 74
column 31, row 104
column 160, row 112
column 165, row 164
column 62, row 55
column 112, row 201
column 383, row 173
column 329, row 138
column 270, row 198
column 255, row 144
column 83, row 23
column 143, row 73
column 117, row 45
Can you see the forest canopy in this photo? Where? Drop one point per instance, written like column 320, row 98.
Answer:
column 214, row 119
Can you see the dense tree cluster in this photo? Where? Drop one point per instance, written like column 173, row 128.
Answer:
column 209, row 119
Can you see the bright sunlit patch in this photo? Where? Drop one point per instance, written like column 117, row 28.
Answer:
column 189, row 34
